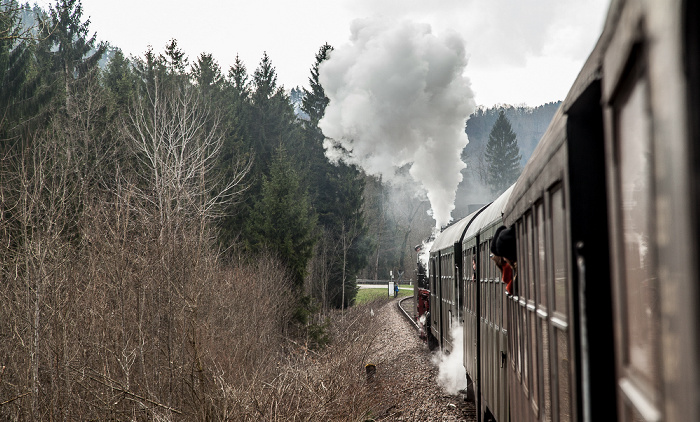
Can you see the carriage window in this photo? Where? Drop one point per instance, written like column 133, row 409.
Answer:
column 541, row 264
column 639, row 278
column 484, row 263
column 467, row 277
column 559, row 251
column 521, row 280
column 529, row 256
column 525, row 270
column 498, row 302
column 487, row 261
column 560, row 302
column 470, row 290
column 492, row 302
column 485, row 294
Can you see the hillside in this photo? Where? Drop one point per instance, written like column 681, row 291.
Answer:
column 528, row 123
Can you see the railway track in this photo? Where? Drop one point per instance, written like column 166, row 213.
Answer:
column 406, row 313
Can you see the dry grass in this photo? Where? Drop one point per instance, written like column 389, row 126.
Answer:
column 116, row 305
column 129, row 324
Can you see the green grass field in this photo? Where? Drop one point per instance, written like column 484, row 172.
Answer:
column 369, row 295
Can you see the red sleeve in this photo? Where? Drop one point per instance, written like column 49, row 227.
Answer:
column 508, row 278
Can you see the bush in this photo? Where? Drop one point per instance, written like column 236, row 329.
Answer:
column 130, row 324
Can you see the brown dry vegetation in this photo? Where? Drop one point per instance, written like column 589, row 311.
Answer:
column 126, row 328
column 118, row 307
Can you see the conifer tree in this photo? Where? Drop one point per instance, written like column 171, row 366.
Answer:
column 269, row 124
column 172, row 67
column 236, row 121
column 502, row 155
column 206, row 72
column 282, row 220
column 238, row 103
column 68, row 61
column 16, row 87
column 272, row 121
column 315, row 101
column 67, row 53
column 337, row 195
column 120, row 80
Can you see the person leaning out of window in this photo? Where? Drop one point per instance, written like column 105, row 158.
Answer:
column 503, row 253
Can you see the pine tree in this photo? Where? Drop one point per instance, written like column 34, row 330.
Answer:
column 337, row 196
column 237, row 109
column 120, row 80
column 174, row 58
column 67, row 53
column 266, row 122
column 282, row 220
column 502, row 155
column 272, row 120
column 206, row 72
column 315, row 101
column 236, row 89
column 16, row 87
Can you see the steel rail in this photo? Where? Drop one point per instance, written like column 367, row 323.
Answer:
column 406, row 314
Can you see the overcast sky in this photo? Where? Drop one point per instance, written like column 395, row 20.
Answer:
column 520, row 51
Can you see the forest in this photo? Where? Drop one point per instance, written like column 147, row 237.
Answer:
column 168, row 226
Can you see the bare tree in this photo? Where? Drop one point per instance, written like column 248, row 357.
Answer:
column 321, row 267
column 350, row 230
column 175, row 136
column 39, row 191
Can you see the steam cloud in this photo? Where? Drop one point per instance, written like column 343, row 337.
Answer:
column 399, row 100
column 451, row 375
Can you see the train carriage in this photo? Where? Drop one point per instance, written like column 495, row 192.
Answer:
column 604, row 319
column 560, row 311
column 606, row 205
column 446, row 288
column 485, row 333
column 650, row 92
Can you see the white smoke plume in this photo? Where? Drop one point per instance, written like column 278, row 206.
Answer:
column 424, row 254
column 398, row 99
column 452, row 376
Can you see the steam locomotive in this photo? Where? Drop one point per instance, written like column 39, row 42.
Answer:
column 603, row 322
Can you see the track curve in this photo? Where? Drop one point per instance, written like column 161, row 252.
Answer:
column 405, row 313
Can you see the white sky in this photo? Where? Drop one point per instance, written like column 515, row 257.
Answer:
column 520, row 51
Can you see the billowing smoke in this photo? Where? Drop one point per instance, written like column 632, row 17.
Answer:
column 451, row 375
column 399, row 100
column 424, row 252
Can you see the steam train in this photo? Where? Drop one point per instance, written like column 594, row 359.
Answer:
column 603, row 322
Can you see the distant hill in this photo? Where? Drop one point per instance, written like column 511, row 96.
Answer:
column 528, row 123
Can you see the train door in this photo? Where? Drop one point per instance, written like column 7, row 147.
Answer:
column 458, row 265
column 634, row 264
column 651, row 145
column 469, row 314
